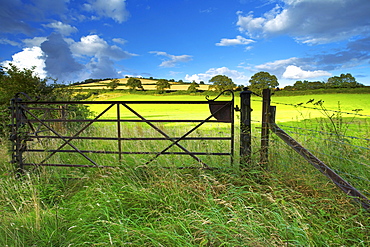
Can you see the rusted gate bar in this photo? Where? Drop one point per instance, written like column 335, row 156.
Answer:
column 321, row 166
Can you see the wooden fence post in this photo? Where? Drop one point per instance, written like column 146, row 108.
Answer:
column 245, row 127
column 266, row 94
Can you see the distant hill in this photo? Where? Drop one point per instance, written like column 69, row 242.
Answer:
column 148, row 84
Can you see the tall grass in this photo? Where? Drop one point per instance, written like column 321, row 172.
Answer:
column 289, row 205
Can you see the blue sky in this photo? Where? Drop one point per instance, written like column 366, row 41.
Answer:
column 73, row 40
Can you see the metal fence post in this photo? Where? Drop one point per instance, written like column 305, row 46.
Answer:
column 266, row 94
column 245, row 127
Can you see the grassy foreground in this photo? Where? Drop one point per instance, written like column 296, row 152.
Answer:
column 291, row 204
column 159, row 207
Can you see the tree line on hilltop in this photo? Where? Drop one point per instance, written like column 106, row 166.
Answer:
column 257, row 83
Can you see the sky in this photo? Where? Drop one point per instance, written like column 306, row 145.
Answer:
column 74, row 40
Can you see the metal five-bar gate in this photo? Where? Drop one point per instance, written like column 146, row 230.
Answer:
column 44, row 131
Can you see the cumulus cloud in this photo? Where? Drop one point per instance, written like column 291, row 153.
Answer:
column 101, row 55
column 59, row 62
column 102, row 67
column 310, row 21
column 236, row 76
column 173, row 60
column 115, row 9
column 93, row 45
column 28, row 58
column 62, row 28
column 294, row 72
column 238, row 41
column 35, row 41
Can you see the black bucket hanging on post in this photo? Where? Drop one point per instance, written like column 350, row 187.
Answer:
column 221, row 110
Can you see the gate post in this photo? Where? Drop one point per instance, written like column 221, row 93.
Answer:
column 16, row 127
column 266, row 94
column 245, row 127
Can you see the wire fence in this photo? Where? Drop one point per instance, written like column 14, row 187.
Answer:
column 342, row 144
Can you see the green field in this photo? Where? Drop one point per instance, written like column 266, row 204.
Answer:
column 289, row 204
column 343, row 102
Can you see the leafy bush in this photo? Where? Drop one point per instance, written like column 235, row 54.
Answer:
column 14, row 80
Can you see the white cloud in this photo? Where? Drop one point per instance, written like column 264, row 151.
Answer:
column 27, row 58
column 101, row 55
column 62, row 28
column 93, row 45
column 310, row 21
column 9, row 42
column 173, row 60
column 277, row 64
column 236, row 76
column 119, row 41
column 36, row 41
column 238, row 41
column 294, row 72
column 115, row 9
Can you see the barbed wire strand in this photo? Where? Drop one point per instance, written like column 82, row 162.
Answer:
column 333, row 141
column 341, row 158
column 320, row 109
column 326, row 133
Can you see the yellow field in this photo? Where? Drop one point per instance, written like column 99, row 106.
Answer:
column 147, row 85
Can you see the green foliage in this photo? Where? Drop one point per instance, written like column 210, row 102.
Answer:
column 262, row 80
column 113, row 84
column 306, row 85
column 222, row 83
column 343, row 81
column 162, row 84
column 193, row 87
column 14, row 80
column 134, row 83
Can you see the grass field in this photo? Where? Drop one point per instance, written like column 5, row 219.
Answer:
column 342, row 102
column 290, row 204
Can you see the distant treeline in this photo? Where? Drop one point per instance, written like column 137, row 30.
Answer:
column 90, row 81
column 342, row 81
column 149, row 78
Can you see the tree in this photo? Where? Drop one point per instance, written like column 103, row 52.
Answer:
column 222, row 83
column 113, row 84
column 161, row 85
column 134, row 83
column 14, row 80
column 262, row 80
column 344, row 80
column 193, row 87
